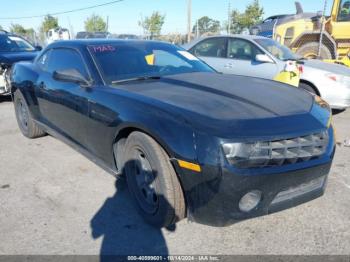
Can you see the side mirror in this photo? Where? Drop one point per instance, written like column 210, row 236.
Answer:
column 71, row 75
column 264, row 59
column 38, row 48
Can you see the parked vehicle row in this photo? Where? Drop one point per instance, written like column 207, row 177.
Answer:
column 104, row 35
column 257, row 56
column 216, row 148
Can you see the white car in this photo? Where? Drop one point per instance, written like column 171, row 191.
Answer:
column 263, row 57
column 56, row 34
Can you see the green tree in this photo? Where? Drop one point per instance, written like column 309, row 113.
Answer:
column 18, row 29
column 1, row 27
column 206, row 25
column 49, row 22
column 95, row 23
column 153, row 24
column 252, row 15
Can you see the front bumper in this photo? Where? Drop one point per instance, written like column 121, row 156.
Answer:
column 4, row 90
column 216, row 202
column 213, row 195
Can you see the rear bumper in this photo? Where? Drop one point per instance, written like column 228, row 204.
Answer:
column 216, row 202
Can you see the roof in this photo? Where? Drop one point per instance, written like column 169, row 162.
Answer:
column 246, row 37
column 85, row 42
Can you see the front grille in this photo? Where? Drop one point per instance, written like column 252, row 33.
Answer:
column 299, row 190
column 293, row 150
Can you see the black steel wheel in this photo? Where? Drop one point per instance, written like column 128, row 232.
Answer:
column 152, row 181
column 145, row 182
column 24, row 119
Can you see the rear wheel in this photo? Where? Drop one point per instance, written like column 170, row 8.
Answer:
column 152, row 181
column 310, row 50
column 24, row 119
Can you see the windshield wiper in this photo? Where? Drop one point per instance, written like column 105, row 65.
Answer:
column 140, row 78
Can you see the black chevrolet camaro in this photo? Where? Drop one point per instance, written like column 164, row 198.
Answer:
column 191, row 142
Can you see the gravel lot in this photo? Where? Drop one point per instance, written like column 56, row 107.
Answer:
column 55, row 201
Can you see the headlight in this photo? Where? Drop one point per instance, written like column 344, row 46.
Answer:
column 341, row 79
column 276, row 152
column 322, row 103
column 246, row 155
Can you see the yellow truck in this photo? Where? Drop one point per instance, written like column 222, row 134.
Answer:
column 312, row 35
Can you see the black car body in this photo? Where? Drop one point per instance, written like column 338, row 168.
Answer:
column 230, row 139
column 13, row 49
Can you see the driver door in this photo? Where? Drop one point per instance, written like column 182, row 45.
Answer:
column 63, row 105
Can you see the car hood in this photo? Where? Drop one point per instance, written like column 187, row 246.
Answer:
column 329, row 67
column 229, row 104
column 13, row 57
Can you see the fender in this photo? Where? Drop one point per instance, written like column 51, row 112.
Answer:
column 173, row 134
column 26, row 87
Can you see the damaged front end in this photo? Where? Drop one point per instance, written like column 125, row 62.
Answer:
column 5, row 84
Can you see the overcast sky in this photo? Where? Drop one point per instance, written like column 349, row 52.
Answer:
column 124, row 16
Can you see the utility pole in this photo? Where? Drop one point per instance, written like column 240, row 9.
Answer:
column 107, row 25
column 322, row 28
column 229, row 18
column 71, row 29
column 189, row 18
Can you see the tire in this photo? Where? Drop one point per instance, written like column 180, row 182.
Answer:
column 24, row 119
column 152, row 181
column 310, row 50
column 307, row 88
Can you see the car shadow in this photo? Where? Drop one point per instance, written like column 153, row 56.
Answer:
column 123, row 230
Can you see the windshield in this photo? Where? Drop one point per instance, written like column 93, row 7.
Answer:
column 130, row 60
column 14, row 44
column 277, row 50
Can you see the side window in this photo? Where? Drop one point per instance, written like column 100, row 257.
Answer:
column 344, row 11
column 242, row 50
column 43, row 60
column 212, row 47
column 65, row 58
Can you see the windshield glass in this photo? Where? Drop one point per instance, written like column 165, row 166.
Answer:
column 14, row 44
column 277, row 50
column 129, row 60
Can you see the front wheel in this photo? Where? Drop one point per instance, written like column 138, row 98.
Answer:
column 24, row 119
column 310, row 51
column 152, row 181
